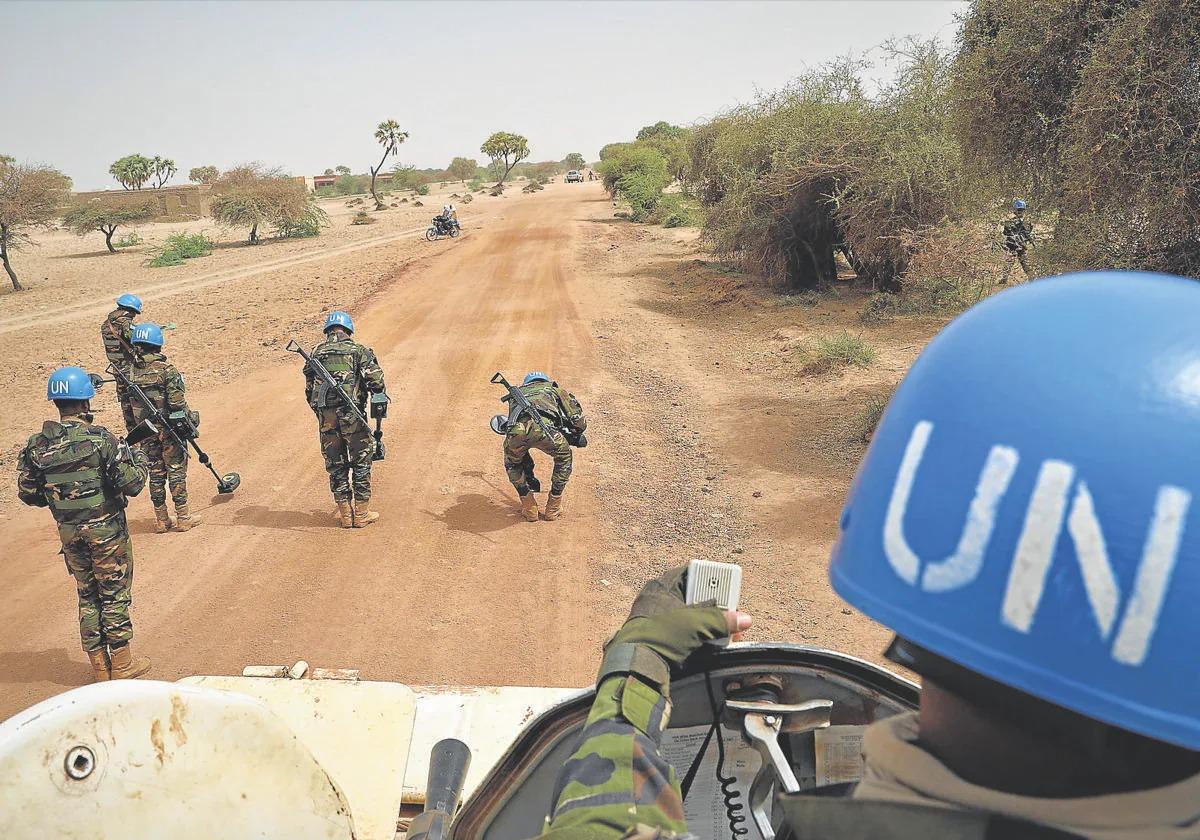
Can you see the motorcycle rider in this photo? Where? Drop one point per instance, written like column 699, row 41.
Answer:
column 1027, row 531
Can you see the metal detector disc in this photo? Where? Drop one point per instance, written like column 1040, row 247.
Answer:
column 229, row 482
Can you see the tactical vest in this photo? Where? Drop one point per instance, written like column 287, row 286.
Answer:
column 150, row 374
column 72, row 471
column 116, row 346
column 541, row 396
column 342, row 360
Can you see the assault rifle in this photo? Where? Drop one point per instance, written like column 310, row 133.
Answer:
column 499, row 423
column 379, row 402
column 181, row 426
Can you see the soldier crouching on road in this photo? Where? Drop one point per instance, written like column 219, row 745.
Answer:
column 168, row 457
column 116, row 331
column 84, row 474
column 346, row 442
column 562, row 412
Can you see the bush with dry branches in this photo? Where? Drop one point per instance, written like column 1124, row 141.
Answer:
column 251, row 196
column 30, row 197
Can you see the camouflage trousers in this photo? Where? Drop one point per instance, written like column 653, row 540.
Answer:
column 168, row 464
column 1011, row 257
column 347, row 447
column 100, row 558
column 126, row 407
column 518, row 463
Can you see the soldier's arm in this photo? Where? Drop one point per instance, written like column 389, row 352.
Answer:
column 123, row 472
column 176, row 399
column 617, row 784
column 30, row 488
column 372, row 373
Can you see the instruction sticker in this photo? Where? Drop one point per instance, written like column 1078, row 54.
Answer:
column 704, row 807
column 839, row 754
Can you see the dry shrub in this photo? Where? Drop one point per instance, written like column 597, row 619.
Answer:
column 362, row 217
column 829, row 353
column 467, row 199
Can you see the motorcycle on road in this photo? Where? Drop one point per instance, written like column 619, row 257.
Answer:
column 442, row 227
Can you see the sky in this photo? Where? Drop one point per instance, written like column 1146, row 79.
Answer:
column 303, row 85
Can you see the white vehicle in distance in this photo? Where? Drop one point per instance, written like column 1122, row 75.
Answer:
column 574, row 176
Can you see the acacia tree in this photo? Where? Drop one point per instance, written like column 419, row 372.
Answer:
column 506, row 150
column 82, row 219
column 29, row 198
column 161, row 170
column 461, row 168
column 132, row 171
column 250, row 196
column 340, row 170
column 207, row 174
column 574, row 161
column 388, row 135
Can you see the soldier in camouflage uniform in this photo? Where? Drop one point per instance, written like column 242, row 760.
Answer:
column 119, row 349
column 83, row 474
column 559, row 410
column 616, row 784
column 346, row 442
column 163, row 384
column 1018, row 236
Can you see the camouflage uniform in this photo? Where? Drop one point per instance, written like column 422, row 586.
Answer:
column 346, row 443
column 120, row 352
column 83, row 474
column 1018, row 235
column 616, row 783
column 163, row 384
column 558, row 409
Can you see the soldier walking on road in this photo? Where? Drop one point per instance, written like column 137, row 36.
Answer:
column 168, row 458
column 118, row 347
column 84, row 474
column 1018, row 236
column 346, row 442
column 562, row 412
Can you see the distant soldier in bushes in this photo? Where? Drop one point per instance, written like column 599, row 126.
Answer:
column 163, row 384
column 1018, row 236
column 563, row 415
column 116, row 331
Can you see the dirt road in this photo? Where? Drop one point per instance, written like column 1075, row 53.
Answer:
column 451, row 586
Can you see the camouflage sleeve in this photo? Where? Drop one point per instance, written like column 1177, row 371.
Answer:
column 121, row 471
column 616, row 784
column 372, row 373
column 176, row 401
column 30, row 488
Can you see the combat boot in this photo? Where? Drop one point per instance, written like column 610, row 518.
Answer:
column 184, row 520
column 553, row 508
column 125, row 666
column 162, row 519
column 345, row 515
column 100, row 666
column 363, row 515
column 529, row 508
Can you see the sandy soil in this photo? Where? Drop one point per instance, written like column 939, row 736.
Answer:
column 707, row 442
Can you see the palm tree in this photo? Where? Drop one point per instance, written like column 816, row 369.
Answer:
column 388, row 135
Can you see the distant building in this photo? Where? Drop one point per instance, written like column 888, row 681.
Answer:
column 170, row 203
column 319, row 181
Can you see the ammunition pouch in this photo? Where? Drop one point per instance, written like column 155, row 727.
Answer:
column 186, row 424
column 379, row 405
column 575, row 437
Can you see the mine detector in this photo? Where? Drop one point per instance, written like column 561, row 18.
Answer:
column 299, row 753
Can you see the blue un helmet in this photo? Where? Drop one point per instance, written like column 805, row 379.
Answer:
column 70, row 383
column 148, row 334
column 128, row 301
column 1026, row 508
column 1018, row 204
column 535, row 376
column 338, row 319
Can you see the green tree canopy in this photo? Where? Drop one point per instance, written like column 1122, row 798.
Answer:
column 506, row 150
column 575, row 161
column 461, row 168
column 132, row 171
column 203, row 174
column 250, row 196
column 95, row 215
column 161, row 170
column 340, row 170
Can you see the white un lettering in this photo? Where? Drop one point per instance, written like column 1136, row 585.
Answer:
column 1048, row 508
